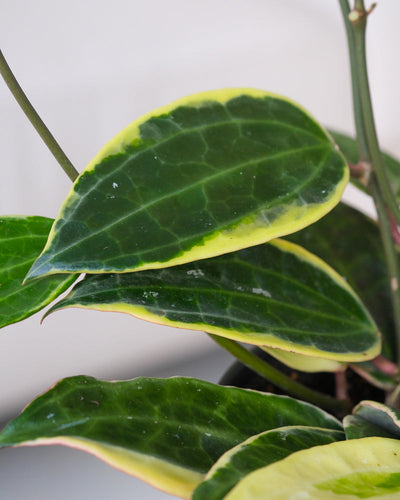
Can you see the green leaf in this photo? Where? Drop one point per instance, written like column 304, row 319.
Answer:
column 206, row 175
column 168, row 432
column 304, row 363
column 357, row 427
column 21, row 240
column 348, row 146
column 259, row 451
column 349, row 241
column 360, row 468
column 377, row 415
column 275, row 295
column 375, row 376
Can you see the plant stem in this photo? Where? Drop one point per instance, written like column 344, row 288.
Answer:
column 35, row 119
column 358, row 115
column 363, row 112
column 372, row 152
column 385, row 201
column 392, row 259
column 278, row 378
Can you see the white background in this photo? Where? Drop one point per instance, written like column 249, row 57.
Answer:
column 90, row 67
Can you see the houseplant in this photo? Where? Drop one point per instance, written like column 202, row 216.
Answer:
column 235, row 184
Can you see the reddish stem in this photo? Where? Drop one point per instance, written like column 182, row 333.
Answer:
column 341, row 386
column 394, row 228
column 385, row 366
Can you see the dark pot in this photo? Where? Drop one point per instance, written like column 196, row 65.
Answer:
column 238, row 375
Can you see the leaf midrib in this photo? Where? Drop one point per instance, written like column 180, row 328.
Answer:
column 202, row 181
column 239, row 293
column 326, row 142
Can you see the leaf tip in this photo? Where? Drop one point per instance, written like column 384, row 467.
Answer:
column 48, row 312
column 40, row 267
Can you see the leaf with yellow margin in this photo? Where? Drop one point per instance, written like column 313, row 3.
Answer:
column 334, row 239
column 276, row 295
column 259, row 451
column 349, row 241
column 167, row 432
column 371, row 418
column 206, row 175
column 345, row 470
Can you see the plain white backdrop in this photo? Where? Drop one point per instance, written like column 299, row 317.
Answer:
column 92, row 67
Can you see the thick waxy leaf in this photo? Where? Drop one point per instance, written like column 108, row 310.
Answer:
column 21, row 240
column 350, row 242
column 259, row 451
column 348, row 146
column 168, row 432
column 276, row 294
column 360, row 468
column 375, row 376
column 357, row 427
column 206, row 175
column 375, row 415
column 305, row 363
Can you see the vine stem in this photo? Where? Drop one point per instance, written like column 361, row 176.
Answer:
column 278, row 378
column 391, row 255
column 35, row 119
column 369, row 151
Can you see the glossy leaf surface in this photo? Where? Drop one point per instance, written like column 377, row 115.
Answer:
column 21, row 241
column 206, row 175
column 276, row 295
column 168, row 432
column 360, row 468
column 382, row 417
column 349, row 241
column 357, row 427
column 348, row 146
column 259, row 451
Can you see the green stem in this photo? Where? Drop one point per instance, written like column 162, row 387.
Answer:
column 372, row 153
column 278, row 378
column 35, row 119
column 391, row 255
column 369, row 148
column 358, row 115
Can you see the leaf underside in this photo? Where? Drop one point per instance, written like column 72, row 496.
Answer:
column 304, row 363
column 276, row 295
column 168, row 432
column 206, row 175
column 21, row 241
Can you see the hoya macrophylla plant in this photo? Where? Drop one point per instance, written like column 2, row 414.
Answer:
column 206, row 175
column 220, row 212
